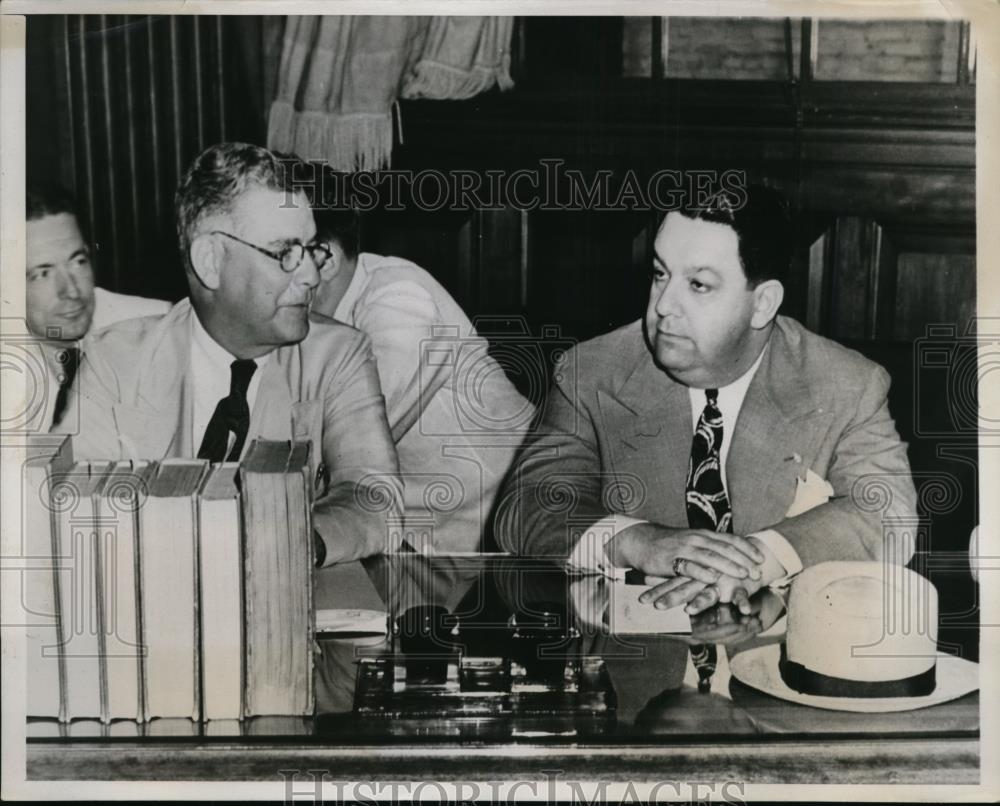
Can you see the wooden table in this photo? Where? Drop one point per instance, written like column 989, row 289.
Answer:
column 661, row 728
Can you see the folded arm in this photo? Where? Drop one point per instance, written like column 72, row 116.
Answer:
column 400, row 320
column 359, row 514
column 553, row 492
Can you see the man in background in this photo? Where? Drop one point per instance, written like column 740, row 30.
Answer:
column 241, row 359
column 456, row 418
column 62, row 304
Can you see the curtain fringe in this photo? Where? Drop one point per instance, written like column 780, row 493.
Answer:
column 361, row 142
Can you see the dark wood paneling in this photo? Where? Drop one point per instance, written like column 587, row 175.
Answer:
column 590, row 47
column 439, row 242
column 502, row 258
column 867, row 281
column 584, row 274
column 838, row 104
column 852, row 257
column 933, row 289
column 898, row 195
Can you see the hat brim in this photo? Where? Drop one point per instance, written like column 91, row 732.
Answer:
column 758, row 668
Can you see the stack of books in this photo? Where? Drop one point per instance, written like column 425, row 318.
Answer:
column 175, row 589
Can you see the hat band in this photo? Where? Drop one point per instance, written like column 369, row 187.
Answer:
column 806, row 681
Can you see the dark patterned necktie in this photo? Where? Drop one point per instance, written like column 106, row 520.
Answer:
column 69, row 362
column 231, row 416
column 707, row 505
column 707, row 501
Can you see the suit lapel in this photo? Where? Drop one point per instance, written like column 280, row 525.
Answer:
column 279, row 412
column 155, row 419
column 773, row 431
column 648, row 428
column 272, row 410
column 145, row 434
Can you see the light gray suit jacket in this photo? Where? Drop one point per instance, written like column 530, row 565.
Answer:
column 616, row 437
column 131, row 400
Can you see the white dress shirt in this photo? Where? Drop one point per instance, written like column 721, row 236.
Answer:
column 211, row 374
column 109, row 308
column 588, row 554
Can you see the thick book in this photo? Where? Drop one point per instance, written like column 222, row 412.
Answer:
column 220, row 569
column 74, row 497
column 118, row 585
column 44, row 456
column 278, row 566
column 168, row 579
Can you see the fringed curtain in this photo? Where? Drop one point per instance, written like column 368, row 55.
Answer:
column 340, row 75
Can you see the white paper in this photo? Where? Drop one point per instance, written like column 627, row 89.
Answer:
column 351, row 620
column 628, row 616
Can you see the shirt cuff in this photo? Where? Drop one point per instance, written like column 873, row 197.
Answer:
column 589, row 596
column 588, row 555
column 783, row 551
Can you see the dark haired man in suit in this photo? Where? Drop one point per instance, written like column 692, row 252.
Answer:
column 741, row 437
column 62, row 303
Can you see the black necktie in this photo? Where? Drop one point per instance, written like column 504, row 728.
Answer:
column 231, row 416
column 69, row 361
column 707, row 505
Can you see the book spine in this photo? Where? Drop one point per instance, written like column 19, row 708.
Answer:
column 299, row 550
column 310, row 625
column 64, row 603
column 196, row 626
column 41, row 631
column 141, row 621
column 120, row 597
column 242, row 581
column 199, row 553
column 55, row 530
column 101, row 585
column 248, row 505
column 80, row 645
column 132, row 557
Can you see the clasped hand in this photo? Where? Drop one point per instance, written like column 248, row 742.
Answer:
column 703, row 568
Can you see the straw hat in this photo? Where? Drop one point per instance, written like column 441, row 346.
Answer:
column 861, row 637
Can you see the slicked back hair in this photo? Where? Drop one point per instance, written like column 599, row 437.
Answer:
column 43, row 200
column 760, row 218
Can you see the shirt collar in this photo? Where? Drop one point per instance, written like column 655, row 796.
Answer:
column 741, row 384
column 730, row 396
column 346, row 304
column 211, row 353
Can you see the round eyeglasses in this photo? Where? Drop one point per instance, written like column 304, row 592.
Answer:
column 289, row 258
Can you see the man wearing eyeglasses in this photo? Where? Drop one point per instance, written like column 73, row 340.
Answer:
column 241, row 358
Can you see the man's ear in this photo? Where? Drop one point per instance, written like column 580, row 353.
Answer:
column 767, row 298
column 337, row 258
column 206, row 260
